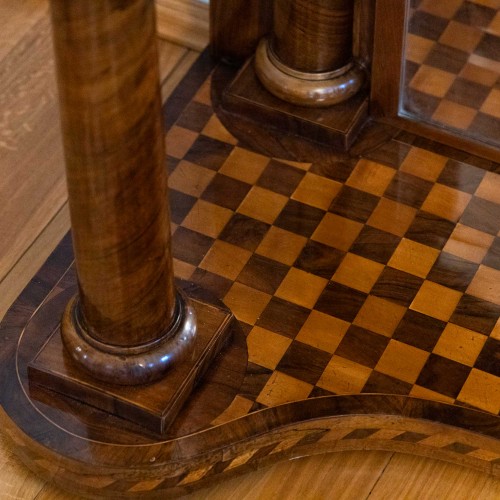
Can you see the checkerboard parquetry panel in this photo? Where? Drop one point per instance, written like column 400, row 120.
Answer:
column 453, row 65
column 388, row 282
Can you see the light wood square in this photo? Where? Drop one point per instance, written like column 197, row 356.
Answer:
column 380, row 316
column 281, row 245
column 343, row 376
column 392, row 217
column 495, row 334
column 190, row 179
column 371, row 177
column 469, row 243
column 481, row 390
column 436, row 300
column 262, row 204
column 485, row 62
column 418, row 391
column 486, row 284
column 244, row 165
column 491, row 105
column 246, row 303
column 401, row 361
column 460, row 344
column 316, row 191
column 478, row 74
column 461, row 36
column 358, row 272
column 432, row 81
column 446, row 202
column 216, row 130
column 182, row 269
column 446, row 8
column 489, row 189
column 323, row 331
column 204, row 93
column 301, row 288
column 337, row 231
column 266, row 348
column 423, row 164
column 454, row 115
column 413, row 258
column 417, row 48
column 207, row 218
column 225, row 259
column 282, row 388
column 179, row 141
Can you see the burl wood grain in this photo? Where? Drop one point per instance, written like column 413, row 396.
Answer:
column 112, row 134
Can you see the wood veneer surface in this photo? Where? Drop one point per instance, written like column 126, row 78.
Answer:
column 17, row 482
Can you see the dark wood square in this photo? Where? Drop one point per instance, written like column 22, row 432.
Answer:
column 392, row 153
column 427, row 25
column 474, row 14
column 180, row 205
column 299, row 218
column 362, row 346
column 468, row 93
column 419, row 330
column 338, row 171
column 208, row 152
column 190, row 246
column 384, row 384
column 195, row 116
column 304, row 362
column 492, row 258
column 443, row 375
column 447, row 58
column 452, row 271
column 489, row 47
column 217, row 285
column 283, row 317
column 398, row 286
column 340, row 301
column 430, row 229
column 461, row 176
column 226, row 191
column 263, row 274
column 483, row 215
column 280, row 178
column 489, row 358
column 244, row 232
column 476, row 314
column 375, row 244
column 319, row 259
column 408, row 189
column 354, row 204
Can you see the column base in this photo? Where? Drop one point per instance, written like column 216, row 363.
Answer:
column 154, row 405
column 312, row 90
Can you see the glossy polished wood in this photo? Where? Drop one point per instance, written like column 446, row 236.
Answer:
column 234, row 40
column 313, row 36
column 308, row 58
column 112, row 134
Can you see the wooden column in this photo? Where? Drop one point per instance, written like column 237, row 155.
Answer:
column 308, row 59
column 118, row 326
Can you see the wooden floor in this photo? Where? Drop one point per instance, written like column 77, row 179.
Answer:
column 34, row 218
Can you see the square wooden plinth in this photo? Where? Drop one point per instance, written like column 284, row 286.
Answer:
column 155, row 405
column 336, row 125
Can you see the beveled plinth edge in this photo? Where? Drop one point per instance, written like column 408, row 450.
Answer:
column 153, row 405
column 245, row 100
column 316, row 90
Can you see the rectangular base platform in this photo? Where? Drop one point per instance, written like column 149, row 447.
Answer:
column 336, row 125
column 154, row 405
